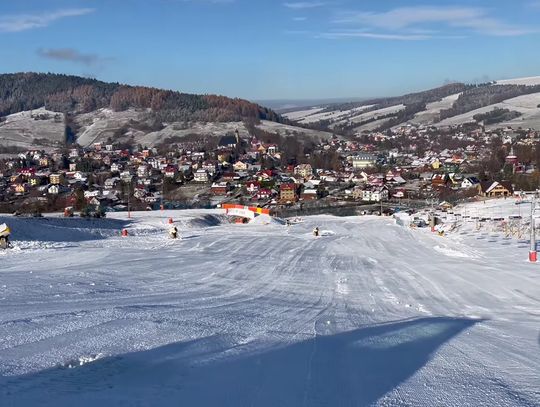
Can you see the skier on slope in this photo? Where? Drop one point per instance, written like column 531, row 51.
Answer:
column 316, row 232
column 173, row 232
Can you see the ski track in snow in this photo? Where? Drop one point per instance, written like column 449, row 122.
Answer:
column 371, row 313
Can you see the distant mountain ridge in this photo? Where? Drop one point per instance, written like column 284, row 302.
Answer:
column 39, row 110
column 72, row 94
column 516, row 103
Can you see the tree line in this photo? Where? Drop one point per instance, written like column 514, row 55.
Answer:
column 73, row 94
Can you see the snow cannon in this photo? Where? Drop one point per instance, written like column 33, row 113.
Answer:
column 5, row 231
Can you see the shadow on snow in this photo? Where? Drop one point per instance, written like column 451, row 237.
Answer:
column 48, row 229
column 354, row 368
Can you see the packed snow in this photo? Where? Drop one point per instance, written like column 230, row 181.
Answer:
column 372, row 312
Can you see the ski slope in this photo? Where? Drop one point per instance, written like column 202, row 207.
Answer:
column 527, row 105
column 372, row 313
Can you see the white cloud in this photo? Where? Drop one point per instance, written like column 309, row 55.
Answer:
column 336, row 35
column 400, row 20
column 299, row 18
column 379, row 36
column 23, row 22
column 302, row 5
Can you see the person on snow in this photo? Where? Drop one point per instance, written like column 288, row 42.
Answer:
column 316, row 232
column 173, row 232
column 5, row 231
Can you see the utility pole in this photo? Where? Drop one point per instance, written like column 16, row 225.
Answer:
column 162, row 192
column 128, row 203
column 533, row 256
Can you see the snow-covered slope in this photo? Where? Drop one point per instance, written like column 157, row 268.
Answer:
column 372, row 313
column 433, row 110
column 28, row 129
column 132, row 125
column 527, row 104
column 529, row 81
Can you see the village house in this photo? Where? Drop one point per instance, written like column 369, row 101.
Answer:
column 111, row 183
column 240, row 166
column 35, row 180
column 21, row 187
column 357, row 193
column 142, row 171
column 362, row 160
column 229, row 141
column 252, row 186
column 210, row 167
column 74, row 153
column 201, row 176
column 470, row 182
column 54, row 189
column 220, row 188
column 27, row 172
column 56, row 179
column 287, row 192
column 439, row 180
column 304, row 170
column 170, row 171
column 271, row 149
column 309, row 194
column 264, row 193
column 375, row 194
column 495, row 189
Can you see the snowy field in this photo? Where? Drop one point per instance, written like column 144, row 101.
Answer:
column 21, row 130
column 371, row 313
column 313, row 116
column 527, row 105
column 433, row 110
column 302, row 114
column 530, row 81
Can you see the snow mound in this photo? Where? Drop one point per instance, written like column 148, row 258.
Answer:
column 450, row 252
column 51, row 229
column 83, row 360
column 267, row 220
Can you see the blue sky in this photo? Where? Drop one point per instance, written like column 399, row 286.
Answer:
column 266, row 49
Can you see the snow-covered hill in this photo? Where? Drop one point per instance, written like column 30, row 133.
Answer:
column 28, row 129
column 365, row 118
column 22, row 130
column 527, row 105
column 529, row 81
column 372, row 313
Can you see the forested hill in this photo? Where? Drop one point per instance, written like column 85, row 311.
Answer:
column 73, row 94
